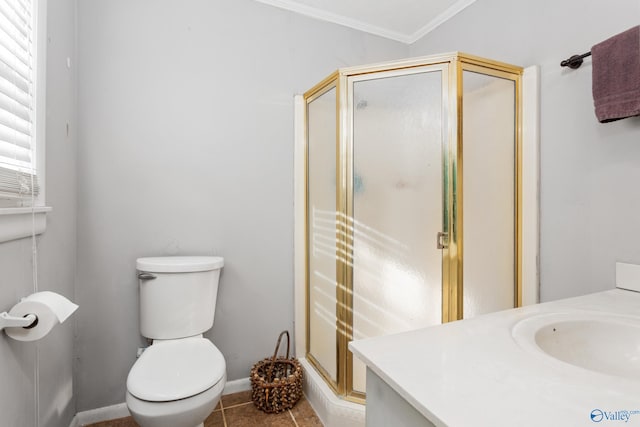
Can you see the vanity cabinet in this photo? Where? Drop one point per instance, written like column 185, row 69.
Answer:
column 385, row 407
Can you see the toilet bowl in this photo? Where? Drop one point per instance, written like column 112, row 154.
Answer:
column 185, row 412
column 179, row 379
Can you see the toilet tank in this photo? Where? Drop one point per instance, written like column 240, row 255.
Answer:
column 177, row 295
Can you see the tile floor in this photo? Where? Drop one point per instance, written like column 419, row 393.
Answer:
column 237, row 410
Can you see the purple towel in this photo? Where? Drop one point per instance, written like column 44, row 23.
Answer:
column 616, row 76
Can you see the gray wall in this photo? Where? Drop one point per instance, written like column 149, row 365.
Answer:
column 590, row 202
column 186, row 147
column 56, row 253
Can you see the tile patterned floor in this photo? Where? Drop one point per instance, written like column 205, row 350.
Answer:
column 237, row 410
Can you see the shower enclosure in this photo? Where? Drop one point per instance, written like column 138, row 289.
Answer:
column 412, row 202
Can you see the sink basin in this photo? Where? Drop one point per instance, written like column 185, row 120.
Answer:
column 598, row 342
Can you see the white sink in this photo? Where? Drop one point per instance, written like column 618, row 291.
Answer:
column 599, row 342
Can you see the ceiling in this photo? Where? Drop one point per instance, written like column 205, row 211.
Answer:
column 402, row 20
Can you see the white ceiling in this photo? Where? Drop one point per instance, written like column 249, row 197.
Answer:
column 402, row 20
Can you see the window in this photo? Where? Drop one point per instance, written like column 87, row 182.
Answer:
column 22, row 104
column 18, row 177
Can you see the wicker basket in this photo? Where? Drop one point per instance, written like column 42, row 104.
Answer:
column 276, row 382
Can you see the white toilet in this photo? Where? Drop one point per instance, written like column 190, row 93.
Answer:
column 178, row 380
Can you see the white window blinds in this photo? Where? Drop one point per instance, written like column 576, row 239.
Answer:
column 17, row 145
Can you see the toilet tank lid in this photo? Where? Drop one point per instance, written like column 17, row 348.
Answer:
column 179, row 264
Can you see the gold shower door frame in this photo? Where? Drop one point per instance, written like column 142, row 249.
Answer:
column 451, row 67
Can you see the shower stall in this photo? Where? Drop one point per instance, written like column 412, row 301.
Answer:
column 412, row 202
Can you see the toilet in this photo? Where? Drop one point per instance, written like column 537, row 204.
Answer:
column 178, row 380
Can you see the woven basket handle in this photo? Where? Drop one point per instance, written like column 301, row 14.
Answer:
column 275, row 354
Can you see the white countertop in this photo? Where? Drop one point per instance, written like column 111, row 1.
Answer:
column 473, row 373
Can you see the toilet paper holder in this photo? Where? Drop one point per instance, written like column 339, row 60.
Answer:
column 35, row 315
column 9, row 321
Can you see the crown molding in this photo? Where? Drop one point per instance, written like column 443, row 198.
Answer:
column 323, row 15
column 449, row 13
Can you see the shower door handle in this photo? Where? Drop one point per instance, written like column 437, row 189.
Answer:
column 442, row 240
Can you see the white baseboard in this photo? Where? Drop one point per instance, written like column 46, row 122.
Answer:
column 100, row 414
column 120, row 410
column 628, row 276
column 243, row 384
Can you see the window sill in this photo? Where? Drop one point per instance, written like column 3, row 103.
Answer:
column 17, row 223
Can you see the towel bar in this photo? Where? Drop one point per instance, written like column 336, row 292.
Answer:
column 575, row 61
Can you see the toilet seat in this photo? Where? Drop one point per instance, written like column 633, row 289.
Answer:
column 176, row 369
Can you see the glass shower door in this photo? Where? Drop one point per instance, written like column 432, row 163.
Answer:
column 395, row 203
column 400, row 232
column 321, row 231
column 490, row 192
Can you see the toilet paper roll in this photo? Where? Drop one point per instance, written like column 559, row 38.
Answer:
column 50, row 309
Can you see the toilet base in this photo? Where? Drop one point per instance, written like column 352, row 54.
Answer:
column 189, row 412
